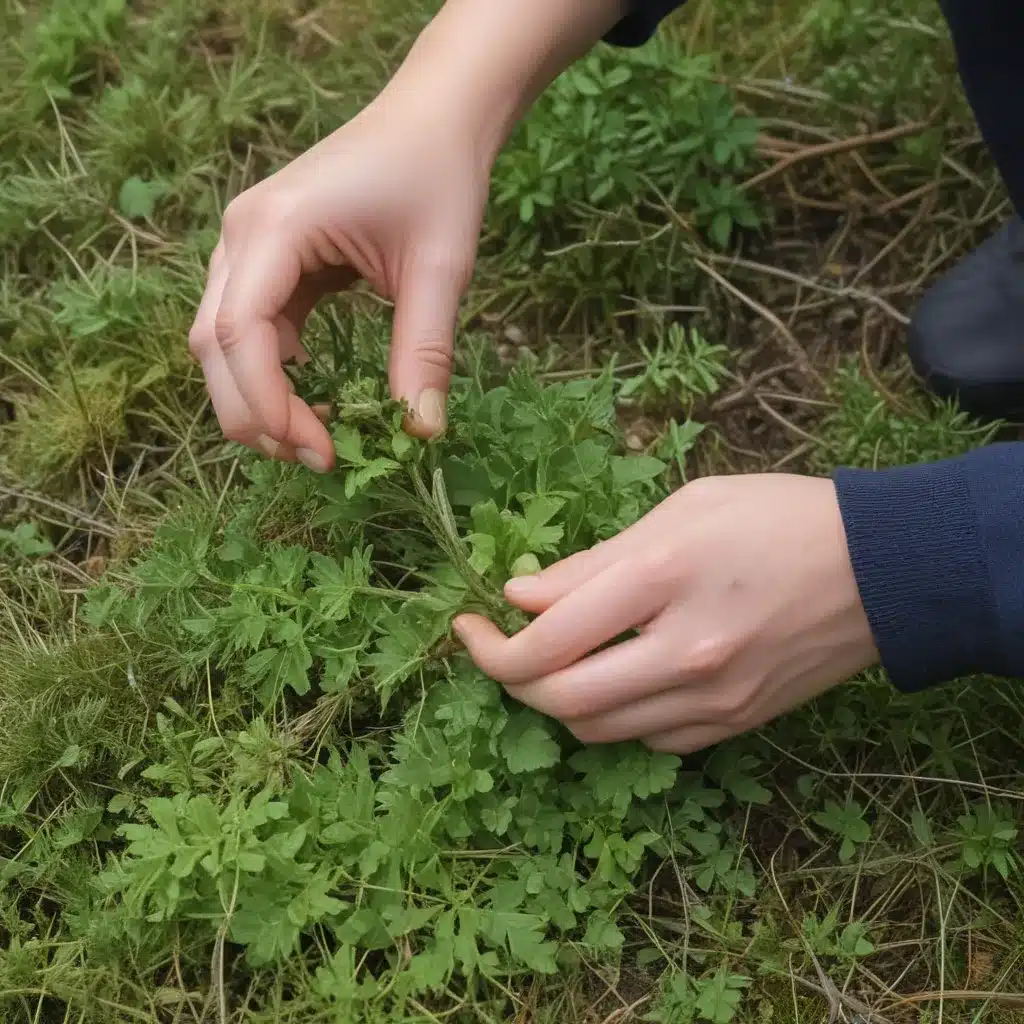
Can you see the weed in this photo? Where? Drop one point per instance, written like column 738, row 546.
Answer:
column 247, row 775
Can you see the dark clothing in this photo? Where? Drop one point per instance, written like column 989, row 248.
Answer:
column 989, row 40
column 938, row 549
column 638, row 26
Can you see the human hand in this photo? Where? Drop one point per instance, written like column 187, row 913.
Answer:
column 395, row 197
column 391, row 198
column 745, row 604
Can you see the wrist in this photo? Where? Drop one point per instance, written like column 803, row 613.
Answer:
column 480, row 64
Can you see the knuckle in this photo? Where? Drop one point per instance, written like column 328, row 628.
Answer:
column 260, row 207
column 708, row 658
column 236, row 215
column 660, row 569
column 199, row 341
column 741, row 703
column 435, row 350
column 735, row 706
column 567, row 706
column 224, row 329
column 664, row 743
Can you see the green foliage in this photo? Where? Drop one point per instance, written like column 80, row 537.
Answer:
column 389, row 835
column 249, row 775
column 867, row 430
column 866, row 49
column 24, row 540
column 987, row 837
column 619, row 126
column 715, row 999
column 81, row 419
column 681, row 368
column 70, row 39
column 137, row 198
column 827, row 938
column 847, row 823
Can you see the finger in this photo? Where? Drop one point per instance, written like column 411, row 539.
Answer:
column 600, row 610
column 259, row 285
column 688, row 739
column 202, row 337
column 681, row 707
column 308, row 437
column 232, row 411
column 422, row 345
column 613, row 678
column 537, row 593
column 233, row 415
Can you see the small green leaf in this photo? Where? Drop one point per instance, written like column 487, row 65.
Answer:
column 922, row 828
column 71, row 756
column 721, row 229
column 635, row 469
column 526, row 565
column 137, row 198
column 401, row 444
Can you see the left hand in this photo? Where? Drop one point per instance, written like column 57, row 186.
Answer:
column 745, row 605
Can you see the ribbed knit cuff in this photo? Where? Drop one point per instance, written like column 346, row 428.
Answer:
column 641, row 23
column 919, row 559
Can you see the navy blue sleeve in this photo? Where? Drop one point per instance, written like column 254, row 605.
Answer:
column 640, row 23
column 938, row 552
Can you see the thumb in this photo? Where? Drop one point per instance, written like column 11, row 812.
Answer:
column 422, row 344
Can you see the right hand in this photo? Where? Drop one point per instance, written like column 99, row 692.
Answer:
column 396, row 197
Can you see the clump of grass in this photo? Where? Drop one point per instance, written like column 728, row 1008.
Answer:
column 65, row 426
column 871, row 430
column 68, row 703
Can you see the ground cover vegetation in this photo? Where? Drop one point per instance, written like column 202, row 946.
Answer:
column 245, row 774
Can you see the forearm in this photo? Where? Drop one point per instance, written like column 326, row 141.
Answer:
column 484, row 62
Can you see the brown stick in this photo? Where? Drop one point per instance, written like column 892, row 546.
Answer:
column 833, row 148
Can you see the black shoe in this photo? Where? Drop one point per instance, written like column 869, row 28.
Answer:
column 967, row 335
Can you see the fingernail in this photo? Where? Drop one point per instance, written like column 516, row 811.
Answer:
column 311, row 460
column 457, row 630
column 520, row 585
column 432, row 410
column 267, row 445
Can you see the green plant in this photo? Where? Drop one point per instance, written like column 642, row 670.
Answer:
column 846, row 822
column 24, row 540
column 715, row 999
column 682, row 367
column 987, row 837
column 825, row 937
column 616, row 129
column 868, row 429
column 391, row 838
column 432, row 851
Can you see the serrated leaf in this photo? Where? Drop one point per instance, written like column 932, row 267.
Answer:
column 137, row 198
column 527, row 744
